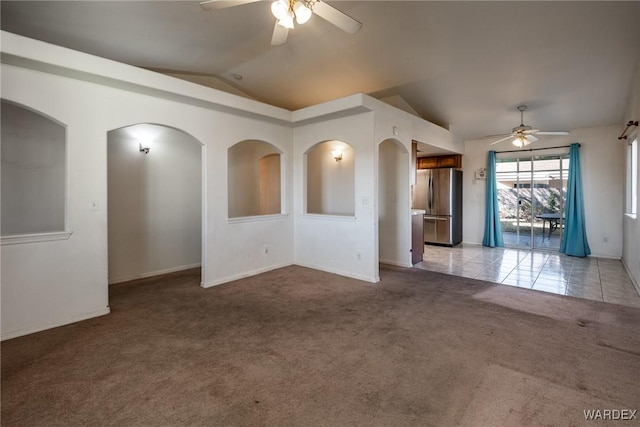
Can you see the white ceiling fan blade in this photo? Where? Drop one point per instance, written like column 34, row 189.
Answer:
column 337, row 18
column 221, row 4
column 531, row 138
column 563, row 132
column 503, row 139
column 497, row 135
column 279, row 34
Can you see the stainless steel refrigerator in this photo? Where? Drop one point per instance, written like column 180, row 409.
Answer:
column 439, row 193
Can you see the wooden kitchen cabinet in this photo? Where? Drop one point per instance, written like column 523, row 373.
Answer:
column 427, row 162
column 434, row 162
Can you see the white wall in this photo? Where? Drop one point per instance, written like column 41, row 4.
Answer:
column 631, row 226
column 154, row 202
column 602, row 164
column 345, row 245
column 393, row 203
column 33, row 172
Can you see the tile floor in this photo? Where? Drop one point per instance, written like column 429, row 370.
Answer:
column 592, row 278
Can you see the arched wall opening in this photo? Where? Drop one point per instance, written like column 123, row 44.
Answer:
column 254, row 179
column 330, row 179
column 155, row 201
column 394, row 203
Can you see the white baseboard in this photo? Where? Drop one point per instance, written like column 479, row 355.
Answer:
column 396, row 263
column 72, row 319
column 273, row 267
column 369, row 279
column 604, row 256
column 242, row 275
column 152, row 273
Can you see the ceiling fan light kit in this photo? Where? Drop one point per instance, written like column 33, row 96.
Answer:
column 523, row 140
column 302, row 12
column 286, row 10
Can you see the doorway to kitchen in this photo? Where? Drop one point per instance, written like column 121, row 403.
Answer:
column 531, row 197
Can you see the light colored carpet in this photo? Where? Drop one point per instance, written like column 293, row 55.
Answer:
column 301, row 347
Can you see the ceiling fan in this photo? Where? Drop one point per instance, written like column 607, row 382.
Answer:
column 524, row 135
column 286, row 11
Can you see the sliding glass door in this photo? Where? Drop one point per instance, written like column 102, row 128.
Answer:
column 531, row 195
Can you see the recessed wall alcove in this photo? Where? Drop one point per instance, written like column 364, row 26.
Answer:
column 33, row 172
column 254, row 179
column 330, row 179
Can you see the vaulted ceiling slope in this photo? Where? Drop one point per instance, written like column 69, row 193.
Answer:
column 462, row 65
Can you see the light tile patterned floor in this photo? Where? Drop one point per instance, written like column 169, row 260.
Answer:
column 591, row 278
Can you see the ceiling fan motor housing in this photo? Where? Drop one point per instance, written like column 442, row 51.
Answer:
column 521, row 128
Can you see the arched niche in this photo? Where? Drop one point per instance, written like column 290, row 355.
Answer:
column 155, row 201
column 254, row 179
column 330, row 179
column 33, row 172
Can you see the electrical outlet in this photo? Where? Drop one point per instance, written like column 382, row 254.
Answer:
column 359, row 256
column 265, row 249
column 94, row 205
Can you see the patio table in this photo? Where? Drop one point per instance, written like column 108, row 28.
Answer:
column 553, row 220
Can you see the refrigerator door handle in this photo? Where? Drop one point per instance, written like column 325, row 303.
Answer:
column 437, row 218
column 430, row 193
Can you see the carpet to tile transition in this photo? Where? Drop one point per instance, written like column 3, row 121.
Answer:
column 301, row 347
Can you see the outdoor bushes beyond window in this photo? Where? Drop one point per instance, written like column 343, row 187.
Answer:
column 33, row 172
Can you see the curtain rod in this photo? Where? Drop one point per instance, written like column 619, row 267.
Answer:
column 535, row 149
column 624, row 132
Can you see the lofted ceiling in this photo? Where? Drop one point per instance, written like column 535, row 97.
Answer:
column 462, row 65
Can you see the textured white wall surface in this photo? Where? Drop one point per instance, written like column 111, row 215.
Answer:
column 393, row 180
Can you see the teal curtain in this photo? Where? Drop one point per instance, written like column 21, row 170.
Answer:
column 492, row 227
column 574, row 238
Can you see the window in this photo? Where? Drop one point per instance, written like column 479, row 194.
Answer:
column 254, row 179
column 33, row 175
column 632, row 178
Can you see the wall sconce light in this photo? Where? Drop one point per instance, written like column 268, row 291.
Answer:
column 337, row 155
column 145, row 145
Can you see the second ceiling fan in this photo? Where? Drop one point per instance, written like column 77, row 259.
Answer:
column 285, row 11
column 524, row 135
